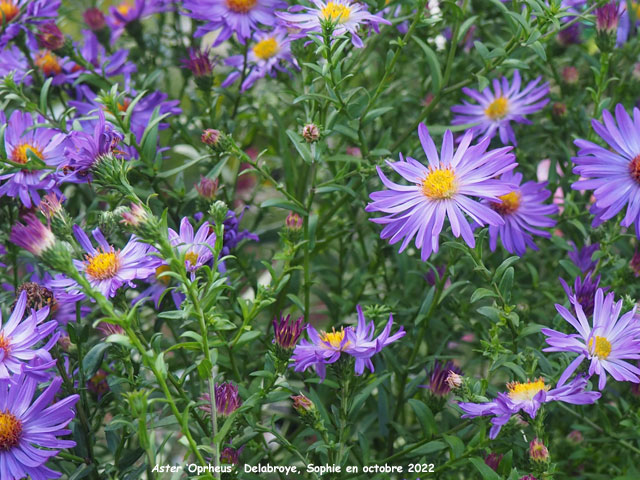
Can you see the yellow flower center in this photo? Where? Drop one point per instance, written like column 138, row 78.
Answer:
column 440, row 183
column 636, row 8
column 103, row 265
column 20, row 155
column 241, row 6
column 9, row 11
column 510, row 203
column 497, row 109
column 336, row 12
column 10, row 430
column 4, row 345
column 267, row 48
column 159, row 271
column 521, row 392
column 124, row 8
column 192, row 258
column 334, row 338
column 602, row 347
column 48, row 63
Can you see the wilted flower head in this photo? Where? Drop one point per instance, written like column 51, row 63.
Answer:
column 50, row 36
column 438, row 378
column 51, row 205
column 32, row 235
column 287, row 331
column 538, row 452
column 493, row 460
column 37, row 296
column 311, row 132
column 583, row 291
column 199, row 62
column 207, row 188
column 302, row 404
column 94, row 18
column 454, row 380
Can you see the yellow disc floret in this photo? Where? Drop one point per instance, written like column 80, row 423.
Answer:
column 267, row 48
column 520, row 392
column 103, row 265
column 48, row 63
column 497, row 109
column 334, row 338
column 9, row 11
column 601, row 349
column 191, row 257
column 20, row 153
column 165, row 278
column 241, row 6
column 335, row 12
column 10, row 430
column 510, row 203
column 440, row 183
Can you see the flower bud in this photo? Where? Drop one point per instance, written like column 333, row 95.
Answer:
column 227, row 399
column 537, row 451
column 559, row 110
column 94, row 18
column 211, row 137
column 135, row 216
column 207, row 188
column 575, row 436
column 528, row 477
column 570, row 75
column 64, row 342
column 302, row 404
column 230, row 456
column 50, row 36
column 311, row 133
column 106, row 329
column 32, row 235
column 493, row 460
column 607, row 18
column 293, row 221
column 287, row 332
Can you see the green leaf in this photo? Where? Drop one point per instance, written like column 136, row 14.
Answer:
column 93, row 359
column 481, row 293
column 503, row 267
column 281, row 203
column 485, row 470
column 44, row 94
column 457, row 446
column 301, row 146
column 366, row 391
column 434, row 65
column 424, row 416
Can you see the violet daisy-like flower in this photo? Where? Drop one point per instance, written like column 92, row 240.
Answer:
column 108, row 269
column 84, row 150
column 528, row 397
column 197, row 249
column 130, row 11
column 242, row 17
column 497, row 108
column 19, row 339
column 13, row 61
column 160, row 285
column 442, row 189
column 581, row 257
column 347, row 16
column 606, row 343
column 583, row 291
column 270, row 54
column 109, row 65
column 327, row 347
column 29, row 428
column 60, row 69
column 23, row 142
column 523, row 210
column 613, row 174
column 438, row 375
column 25, row 15
column 33, row 236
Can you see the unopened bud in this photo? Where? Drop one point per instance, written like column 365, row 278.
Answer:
column 94, row 18
column 537, row 451
column 50, row 36
column 570, row 75
column 207, row 188
column 211, row 137
column 311, row 133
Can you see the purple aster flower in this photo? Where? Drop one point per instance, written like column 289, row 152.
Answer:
column 326, row 347
column 29, row 429
column 442, row 189
column 241, row 17
column 25, row 15
column 160, row 285
column 523, row 210
column 497, row 108
column 199, row 62
column 607, row 18
column 607, row 342
column 108, row 269
column 270, row 54
column 438, row 375
column 232, row 234
column 33, row 236
column 493, row 460
column 13, row 61
column 19, row 339
column 287, row 332
column 130, row 11
column 85, row 149
column 583, row 292
column 527, row 397
column 61, row 69
column 613, row 175
column 347, row 15
column 581, row 257
column 108, row 65
column 197, row 249
column 21, row 141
